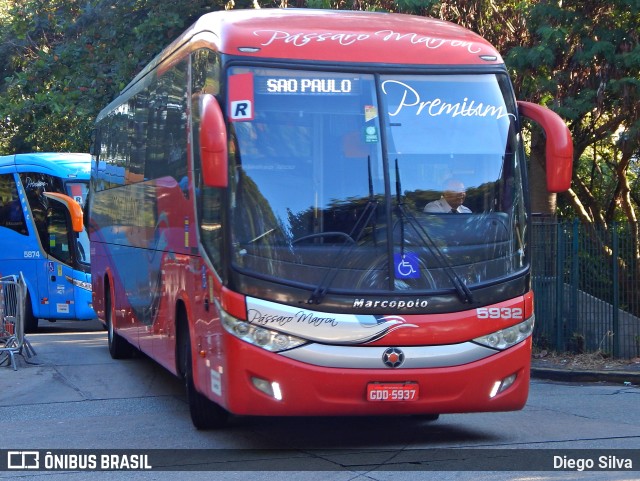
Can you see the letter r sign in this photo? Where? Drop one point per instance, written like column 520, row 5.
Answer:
column 241, row 110
column 241, row 97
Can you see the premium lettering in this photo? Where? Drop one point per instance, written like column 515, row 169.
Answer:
column 410, row 98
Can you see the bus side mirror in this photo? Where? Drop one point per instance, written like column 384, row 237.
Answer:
column 559, row 149
column 73, row 207
column 213, row 143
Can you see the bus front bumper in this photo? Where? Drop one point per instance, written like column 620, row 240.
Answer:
column 256, row 382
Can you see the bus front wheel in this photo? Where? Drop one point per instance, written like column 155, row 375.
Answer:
column 205, row 414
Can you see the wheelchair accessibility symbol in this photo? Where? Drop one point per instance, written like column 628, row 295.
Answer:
column 406, row 266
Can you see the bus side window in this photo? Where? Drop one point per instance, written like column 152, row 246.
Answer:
column 167, row 125
column 58, row 230
column 11, row 214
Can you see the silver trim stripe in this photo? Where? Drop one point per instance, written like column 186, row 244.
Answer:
column 322, row 326
column 371, row 357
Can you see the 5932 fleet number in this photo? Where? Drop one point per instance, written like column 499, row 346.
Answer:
column 499, row 313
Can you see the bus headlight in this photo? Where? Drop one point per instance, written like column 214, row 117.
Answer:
column 78, row 283
column 259, row 336
column 505, row 338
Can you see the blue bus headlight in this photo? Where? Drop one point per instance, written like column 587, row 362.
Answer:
column 78, row 283
column 505, row 338
column 259, row 336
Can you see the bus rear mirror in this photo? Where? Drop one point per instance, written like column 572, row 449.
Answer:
column 75, row 211
column 213, row 142
column 559, row 148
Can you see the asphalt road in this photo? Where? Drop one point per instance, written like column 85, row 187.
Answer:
column 73, row 396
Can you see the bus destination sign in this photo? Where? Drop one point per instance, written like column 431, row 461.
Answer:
column 307, row 85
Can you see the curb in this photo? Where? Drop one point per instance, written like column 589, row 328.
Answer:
column 571, row 375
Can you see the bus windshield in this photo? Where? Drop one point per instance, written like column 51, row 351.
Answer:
column 35, row 185
column 348, row 182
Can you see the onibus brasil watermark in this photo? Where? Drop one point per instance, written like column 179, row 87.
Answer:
column 62, row 461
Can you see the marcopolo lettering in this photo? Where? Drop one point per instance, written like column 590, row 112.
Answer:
column 390, row 304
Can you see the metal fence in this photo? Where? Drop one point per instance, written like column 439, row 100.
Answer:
column 586, row 282
column 12, row 339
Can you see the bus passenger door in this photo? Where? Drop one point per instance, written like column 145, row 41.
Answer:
column 57, row 273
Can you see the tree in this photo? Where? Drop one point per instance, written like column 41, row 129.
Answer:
column 63, row 61
column 582, row 58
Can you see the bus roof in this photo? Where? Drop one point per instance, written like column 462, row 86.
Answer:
column 64, row 165
column 346, row 36
column 335, row 36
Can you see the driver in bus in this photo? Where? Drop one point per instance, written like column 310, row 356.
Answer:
column 451, row 201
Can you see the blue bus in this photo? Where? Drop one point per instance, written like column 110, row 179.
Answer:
column 42, row 198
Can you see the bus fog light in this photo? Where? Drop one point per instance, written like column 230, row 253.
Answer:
column 500, row 386
column 271, row 389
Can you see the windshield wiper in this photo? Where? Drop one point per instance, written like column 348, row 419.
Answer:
column 461, row 288
column 361, row 223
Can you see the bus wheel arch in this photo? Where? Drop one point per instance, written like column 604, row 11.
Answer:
column 205, row 414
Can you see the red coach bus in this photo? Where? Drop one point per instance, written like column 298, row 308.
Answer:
column 261, row 225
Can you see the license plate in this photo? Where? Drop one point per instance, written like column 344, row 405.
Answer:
column 389, row 392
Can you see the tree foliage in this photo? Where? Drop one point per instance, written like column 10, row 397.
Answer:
column 582, row 59
column 62, row 61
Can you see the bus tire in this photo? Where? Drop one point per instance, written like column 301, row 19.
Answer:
column 119, row 348
column 426, row 417
column 205, row 414
column 30, row 321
